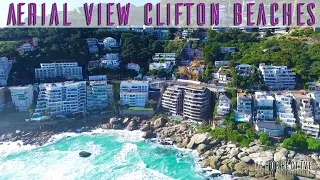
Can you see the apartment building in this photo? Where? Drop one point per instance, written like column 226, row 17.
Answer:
column 284, row 109
column 134, row 93
column 192, row 102
column 164, row 57
column 278, row 77
column 244, row 107
column 220, row 63
column 158, row 65
column 172, row 100
column 223, row 106
column 22, row 97
column 315, row 95
column 5, row 67
column 304, row 109
column 133, row 66
column 110, row 42
column 61, row 99
column 263, row 105
column 244, row 69
column 97, row 95
column 110, row 60
column 67, row 70
column 2, row 98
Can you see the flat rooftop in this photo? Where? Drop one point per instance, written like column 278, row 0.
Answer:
column 244, row 96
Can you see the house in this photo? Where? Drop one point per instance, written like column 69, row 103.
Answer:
column 67, row 70
column 134, row 93
column 272, row 129
column 244, row 107
column 61, row 99
column 92, row 42
column 5, row 68
column 277, row 77
column 22, row 97
column 110, row 42
column 263, row 105
column 223, row 106
column 110, row 60
column 220, row 63
column 93, row 49
column 284, row 109
column 94, row 64
column 244, row 69
column 222, row 75
column 164, row 57
column 26, row 47
column 226, row 50
column 192, row 102
column 157, row 66
column 133, row 66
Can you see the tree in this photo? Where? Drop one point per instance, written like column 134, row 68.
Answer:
column 152, row 104
column 313, row 144
column 264, row 139
column 297, row 141
column 209, row 70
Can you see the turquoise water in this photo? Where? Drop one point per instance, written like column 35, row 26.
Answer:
column 115, row 155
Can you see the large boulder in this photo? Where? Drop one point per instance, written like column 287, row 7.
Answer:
column 201, row 148
column 126, row 121
column 185, row 142
column 280, row 155
column 224, row 169
column 146, row 127
column 114, row 120
column 106, row 126
column 148, row 134
column 214, row 162
column 116, row 126
column 234, row 152
column 84, row 154
column 132, row 126
column 160, row 122
column 191, row 144
column 246, row 159
column 201, row 138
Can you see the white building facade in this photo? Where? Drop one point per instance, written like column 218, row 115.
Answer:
column 61, row 99
column 284, row 109
column 134, row 93
column 165, row 57
column 68, row 70
column 5, row 67
column 97, row 95
column 278, row 77
column 110, row 60
column 110, row 42
column 22, row 97
column 2, row 98
column 263, row 104
column 157, row 66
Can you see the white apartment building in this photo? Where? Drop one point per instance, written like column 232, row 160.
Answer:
column 284, row 109
column 2, row 98
column 61, row 99
column 133, row 66
column 68, row 70
column 158, row 66
column 304, row 110
column 134, row 93
column 224, row 105
column 5, row 67
column 278, row 77
column 110, row 60
column 316, row 104
column 192, row 102
column 165, row 57
column 263, row 104
column 97, row 95
column 22, row 97
column 110, row 42
column 244, row 69
column 244, row 103
column 222, row 77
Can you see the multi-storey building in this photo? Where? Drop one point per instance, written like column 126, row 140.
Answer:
column 2, row 98
column 244, row 107
column 5, row 67
column 278, row 77
column 263, row 105
column 284, row 109
column 22, row 97
column 165, row 57
column 110, row 60
column 68, row 70
column 172, row 100
column 244, row 69
column 134, row 93
column 224, row 105
column 110, row 42
column 315, row 95
column 97, row 95
column 192, row 102
column 158, row 66
column 220, row 63
column 304, row 113
column 61, row 99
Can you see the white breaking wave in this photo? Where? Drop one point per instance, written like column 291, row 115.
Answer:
column 127, row 149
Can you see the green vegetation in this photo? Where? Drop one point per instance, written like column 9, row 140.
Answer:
column 264, row 139
column 140, row 109
column 302, row 142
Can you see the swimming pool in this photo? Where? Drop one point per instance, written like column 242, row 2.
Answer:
column 242, row 119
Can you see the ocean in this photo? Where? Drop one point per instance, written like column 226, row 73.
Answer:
column 116, row 154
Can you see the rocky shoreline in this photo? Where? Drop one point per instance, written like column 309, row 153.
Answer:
column 228, row 158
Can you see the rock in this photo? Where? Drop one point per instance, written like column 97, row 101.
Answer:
column 185, row 142
column 84, row 154
column 116, row 126
column 254, row 155
column 160, row 122
column 291, row 154
column 114, row 120
column 231, row 146
column 148, row 134
column 234, row 152
column 132, row 126
column 182, row 128
column 240, row 166
column 224, row 169
column 18, row 132
column 238, row 174
column 126, row 121
column 246, row 159
column 143, row 122
column 315, row 157
column 146, row 127
column 280, row 155
column 191, row 144
column 201, row 138
column 214, row 162
column 242, row 154
column 220, row 152
column 201, row 148
column 259, row 174
column 252, row 174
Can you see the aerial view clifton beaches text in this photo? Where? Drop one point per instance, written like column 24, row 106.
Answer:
column 152, row 103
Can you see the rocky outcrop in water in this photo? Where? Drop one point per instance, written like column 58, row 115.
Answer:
column 84, row 154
